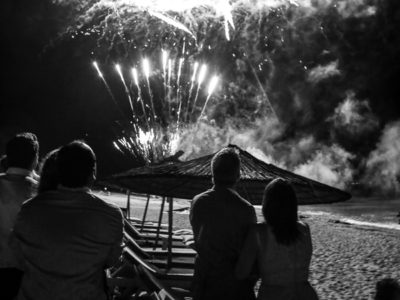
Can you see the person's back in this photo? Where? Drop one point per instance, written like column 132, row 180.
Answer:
column 68, row 237
column 220, row 219
column 283, row 265
column 66, row 241
column 281, row 248
column 16, row 186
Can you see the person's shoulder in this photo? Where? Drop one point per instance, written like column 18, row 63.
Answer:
column 106, row 206
column 204, row 195
column 244, row 204
column 40, row 198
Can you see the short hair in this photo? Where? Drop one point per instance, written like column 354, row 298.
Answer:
column 387, row 289
column 225, row 167
column 76, row 164
column 49, row 178
column 279, row 209
column 22, row 151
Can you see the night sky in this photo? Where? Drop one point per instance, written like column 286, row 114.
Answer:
column 49, row 86
column 49, row 89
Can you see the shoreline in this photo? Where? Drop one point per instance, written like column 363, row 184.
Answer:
column 350, row 221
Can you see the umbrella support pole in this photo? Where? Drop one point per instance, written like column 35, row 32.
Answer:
column 159, row 222
column 170, row 222
column 145, row 211
column 128, row 205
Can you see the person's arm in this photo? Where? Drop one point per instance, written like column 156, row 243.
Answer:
column 116, row 248
column 14, row 242
column 248, row 255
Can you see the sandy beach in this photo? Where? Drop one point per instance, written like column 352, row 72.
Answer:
column 347, row 260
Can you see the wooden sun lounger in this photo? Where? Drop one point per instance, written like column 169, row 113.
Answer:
column 180, row 261
column 162, row 291
column 172, row 277
column 150, row 251
column 136, row 234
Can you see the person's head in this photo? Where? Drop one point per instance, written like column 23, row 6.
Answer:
column 76, row 165
column 387, row 289
column 279, row 208
column 23, row 151
column 225, row 167
column 49, row 178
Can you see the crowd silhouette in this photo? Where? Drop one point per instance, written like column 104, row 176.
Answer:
column 58, row 238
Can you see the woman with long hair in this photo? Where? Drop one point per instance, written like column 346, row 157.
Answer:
column 280, row 247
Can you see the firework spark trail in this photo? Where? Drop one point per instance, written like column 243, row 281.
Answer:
column 200, row 79
column 211, row 88
column 164, row 61
column 169, row 86
column 118, row 68
column 178, row 91
column 107, row 87
column 264, row 92
column 172, row 22
column 196, row 66
column 146, row 70
column 136, row 80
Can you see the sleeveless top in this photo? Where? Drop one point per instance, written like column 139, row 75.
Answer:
column 284, row 269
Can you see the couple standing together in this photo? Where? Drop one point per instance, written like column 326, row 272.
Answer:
column 234, row 251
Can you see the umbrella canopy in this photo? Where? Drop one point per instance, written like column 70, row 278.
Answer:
column 185, row 179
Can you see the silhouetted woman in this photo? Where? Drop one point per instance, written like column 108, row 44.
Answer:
column 281, row 247
column 49, row 173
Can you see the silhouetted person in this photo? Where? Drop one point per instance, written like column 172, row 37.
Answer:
column 49, row 178
column 16, row 186
column 220, row 219
column 387, row 289
column 68, row 237
column 280, row 248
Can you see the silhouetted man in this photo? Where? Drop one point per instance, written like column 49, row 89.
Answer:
column 220, row 219
column 16, row 186
column 68, row 237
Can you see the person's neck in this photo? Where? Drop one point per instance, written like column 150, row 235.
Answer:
column 226, row 187
column 85, row 189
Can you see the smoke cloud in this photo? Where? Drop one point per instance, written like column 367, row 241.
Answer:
column 354, row 117
column 320, row 73
column 303, row 155
column 382, row 165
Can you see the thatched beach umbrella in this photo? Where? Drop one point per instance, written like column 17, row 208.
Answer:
column 188, row 178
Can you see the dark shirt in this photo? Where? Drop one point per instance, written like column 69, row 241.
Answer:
column 66, row 240
column 220, row 219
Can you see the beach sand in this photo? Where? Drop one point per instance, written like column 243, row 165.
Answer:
column 347, row 259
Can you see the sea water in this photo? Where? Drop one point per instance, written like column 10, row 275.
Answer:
column 372, row 211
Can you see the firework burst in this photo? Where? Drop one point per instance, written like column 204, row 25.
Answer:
column 153, row 130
